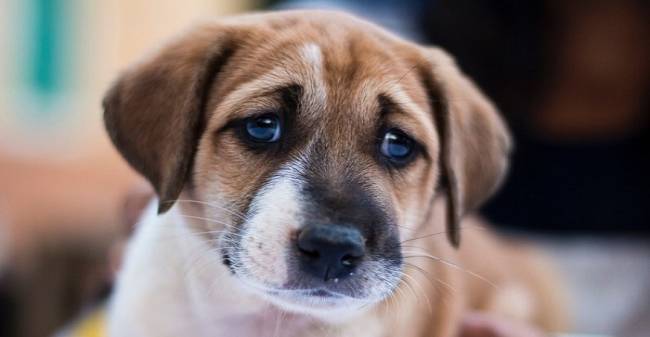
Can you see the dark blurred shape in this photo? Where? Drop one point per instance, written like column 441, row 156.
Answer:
column 500, row 44
column 7, row 309
column 44, row 291
column 573, row 80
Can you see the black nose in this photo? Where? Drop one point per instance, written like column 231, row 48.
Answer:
column 330, row 251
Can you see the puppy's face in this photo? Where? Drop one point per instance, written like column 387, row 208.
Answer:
column 315, row 142
column 323, row 156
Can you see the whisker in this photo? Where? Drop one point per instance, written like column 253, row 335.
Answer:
column 396, row 300
column 446, row 286
column 233, row 212
column 442, row 232
column 219, row 222
column 409, row 287
column 455, row 266
column 428, row 276
column 423, row 292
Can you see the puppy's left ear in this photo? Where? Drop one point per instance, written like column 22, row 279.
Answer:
column 154, row 113
column 475, row 143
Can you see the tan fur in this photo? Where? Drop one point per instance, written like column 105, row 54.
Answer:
column 166, row 116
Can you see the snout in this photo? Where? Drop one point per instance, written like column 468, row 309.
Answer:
column 330, row 251
column 316, row 244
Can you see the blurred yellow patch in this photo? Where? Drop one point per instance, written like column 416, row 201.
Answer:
column 93, row 325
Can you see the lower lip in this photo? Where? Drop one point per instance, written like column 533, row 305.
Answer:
column 315, row 293
column 322, row 293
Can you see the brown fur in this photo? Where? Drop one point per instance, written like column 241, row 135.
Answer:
column 166, row 115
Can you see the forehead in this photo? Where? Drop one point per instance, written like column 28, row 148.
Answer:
column 345, row 72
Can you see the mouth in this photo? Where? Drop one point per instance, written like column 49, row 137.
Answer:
column 324, row 293
column 305, row 298
column 319, row 293
column 317, row 300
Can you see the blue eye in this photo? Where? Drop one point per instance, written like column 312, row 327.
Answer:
column 397, row 146
column 264, row 129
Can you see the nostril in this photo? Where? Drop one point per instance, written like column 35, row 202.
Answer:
column 309, row 253
column 329, row 251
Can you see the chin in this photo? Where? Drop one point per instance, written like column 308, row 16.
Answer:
column 321, row 304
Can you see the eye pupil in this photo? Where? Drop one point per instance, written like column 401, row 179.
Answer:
column 264, row 129
column 396, row 145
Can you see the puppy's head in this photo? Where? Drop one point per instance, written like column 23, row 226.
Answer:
column 315, row 142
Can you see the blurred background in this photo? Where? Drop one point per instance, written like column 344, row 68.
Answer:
column 572, row 79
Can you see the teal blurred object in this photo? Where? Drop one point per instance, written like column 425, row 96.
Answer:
column 46, row 56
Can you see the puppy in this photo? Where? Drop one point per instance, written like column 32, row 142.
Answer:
column 308, row 167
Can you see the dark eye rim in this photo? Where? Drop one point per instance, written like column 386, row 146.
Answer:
column 393, row 162
column 259, row 116
column 238, row 127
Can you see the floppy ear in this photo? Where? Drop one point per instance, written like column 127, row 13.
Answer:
column 475, row 143
column 154, row 112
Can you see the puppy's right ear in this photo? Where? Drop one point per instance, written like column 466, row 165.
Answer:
column 154, row 113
